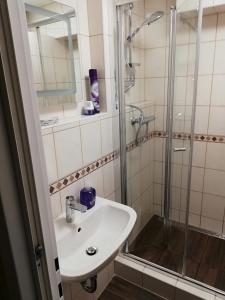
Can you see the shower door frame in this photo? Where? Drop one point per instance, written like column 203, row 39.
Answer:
column 120, row 92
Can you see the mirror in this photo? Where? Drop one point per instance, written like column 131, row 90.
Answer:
column 52, row 32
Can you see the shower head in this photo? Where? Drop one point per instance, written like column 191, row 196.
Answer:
column 149, row 19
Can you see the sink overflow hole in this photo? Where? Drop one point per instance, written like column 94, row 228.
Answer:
column 79, row 229
column 91, row 250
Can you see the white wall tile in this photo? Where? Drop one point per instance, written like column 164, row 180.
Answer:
column 211, row 225
column 155, row 62
column 50, row 157
column 219, row 65
column 199, row 151
column 108, row 178
column 215, row 156
column 221, row 27
column 68, row 151
column 206, row 58
column 218, row 90
column 91, row 142
column 213, row 207
column 216, row 120
column 154, row 90
column 197, row 177
column 56, row 205
column 214, row 182
column 106, row 133
column 201, row 119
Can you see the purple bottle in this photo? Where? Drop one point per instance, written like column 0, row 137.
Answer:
column 94, row 89
column 88, row 196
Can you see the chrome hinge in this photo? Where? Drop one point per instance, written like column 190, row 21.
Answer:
column 39, row 252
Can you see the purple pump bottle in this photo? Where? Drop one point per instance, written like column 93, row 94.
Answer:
column 94, row 89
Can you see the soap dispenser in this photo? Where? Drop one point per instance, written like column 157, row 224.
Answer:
column 88, row 196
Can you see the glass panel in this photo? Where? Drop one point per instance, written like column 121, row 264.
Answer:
column 206, row 245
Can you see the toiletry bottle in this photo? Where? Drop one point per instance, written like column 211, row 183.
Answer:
column 87, row 197
column 94, row 89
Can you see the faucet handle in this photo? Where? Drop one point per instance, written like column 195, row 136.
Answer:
column 70, row 199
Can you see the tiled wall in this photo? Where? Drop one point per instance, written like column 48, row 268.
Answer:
column 207, row 203
column 83, row 141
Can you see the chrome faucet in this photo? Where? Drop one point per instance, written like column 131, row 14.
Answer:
column 71, row 205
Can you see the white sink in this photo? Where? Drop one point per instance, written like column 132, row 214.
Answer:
column 106, row 226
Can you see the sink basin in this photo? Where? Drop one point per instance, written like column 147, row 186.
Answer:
column 105, row 227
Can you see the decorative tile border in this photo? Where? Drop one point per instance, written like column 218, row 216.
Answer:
column 81, row 173
column 197, row 137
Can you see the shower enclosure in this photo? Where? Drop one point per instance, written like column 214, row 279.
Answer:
column 167, row 143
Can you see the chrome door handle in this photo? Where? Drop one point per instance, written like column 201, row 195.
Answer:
column 179, row 149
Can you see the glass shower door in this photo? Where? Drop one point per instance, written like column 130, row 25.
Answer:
column 179, row 132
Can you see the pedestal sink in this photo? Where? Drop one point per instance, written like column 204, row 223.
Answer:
column 93, row 239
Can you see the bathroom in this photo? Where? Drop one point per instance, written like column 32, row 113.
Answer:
column 114, row 116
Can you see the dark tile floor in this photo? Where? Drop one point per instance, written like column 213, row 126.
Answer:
column 119, row 289
column 205, row 255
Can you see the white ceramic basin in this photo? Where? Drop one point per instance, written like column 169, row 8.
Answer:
column 106, row 226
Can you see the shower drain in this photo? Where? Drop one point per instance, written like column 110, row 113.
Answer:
column 91, row 251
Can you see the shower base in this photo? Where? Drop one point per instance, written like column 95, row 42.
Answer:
column 205, row 254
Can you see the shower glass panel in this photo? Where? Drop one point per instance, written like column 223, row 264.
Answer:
column 156, row 82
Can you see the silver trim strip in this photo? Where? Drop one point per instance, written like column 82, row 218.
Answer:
column 169, row 120
column 197, row 58
column 121, row 96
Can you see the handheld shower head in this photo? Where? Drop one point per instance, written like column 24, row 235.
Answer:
column 149, row 19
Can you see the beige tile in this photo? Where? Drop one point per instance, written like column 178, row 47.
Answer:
column 160, row 283
column 189, row 291
column 204, row 90
column 199, row 153
column 209, row 28
column 155, row 62
column 215, row 156
column 214, row 182
column 221, row 27
column 56, row 205
column 181, row 60
column 91, row 142
column 108, row 178
column 156, row 35
column 68, row 151
column 213, row 207
column 129, row 271
column 218, row 90
column 95, row 17
column 211, row 225
column 216, row 121
column 154, row 90
column 201, row 121
column 197, row 177
column 50, row 157
column 219, row 65
column 206, row 58
column 180, row 90
column 106, row 132
column 97, row 54
column 158, row 172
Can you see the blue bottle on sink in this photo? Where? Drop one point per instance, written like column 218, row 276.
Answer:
column 88, row 196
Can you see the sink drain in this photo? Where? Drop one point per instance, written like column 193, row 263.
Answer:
column 91, row 250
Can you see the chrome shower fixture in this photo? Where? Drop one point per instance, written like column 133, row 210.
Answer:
column 150, row 18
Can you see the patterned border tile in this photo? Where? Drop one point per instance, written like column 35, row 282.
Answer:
column 86, row 170
column 81, row 173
